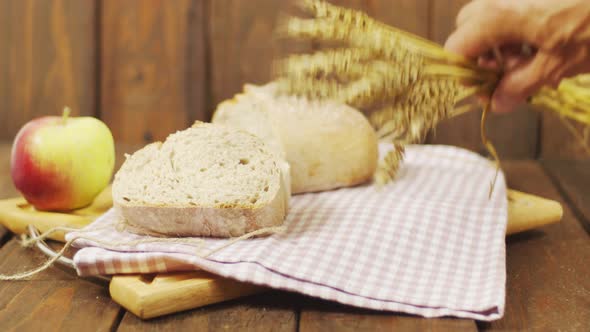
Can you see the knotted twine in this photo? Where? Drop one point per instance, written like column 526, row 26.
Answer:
column 28, row 241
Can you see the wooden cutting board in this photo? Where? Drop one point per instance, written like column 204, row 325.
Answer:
column 16, row 214
column 154, row 295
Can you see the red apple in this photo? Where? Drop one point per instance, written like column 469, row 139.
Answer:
column 62, row 163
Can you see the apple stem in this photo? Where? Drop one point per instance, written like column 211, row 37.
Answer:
column 65, row 114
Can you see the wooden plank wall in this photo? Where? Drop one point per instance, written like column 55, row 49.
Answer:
column 47, row 60
column 150, row 67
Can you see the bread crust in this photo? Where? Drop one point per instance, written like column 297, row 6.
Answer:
column 224, row 220
column 204, row 221
column 329, row 151
column 327, row 148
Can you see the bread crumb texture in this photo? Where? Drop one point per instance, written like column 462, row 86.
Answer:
column 203, row 166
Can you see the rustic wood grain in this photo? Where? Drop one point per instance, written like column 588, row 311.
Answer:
column 321, row 315
column 7, row 188
column 47, row 60
column 547, row 286
column 4, row 235
column 145, row 67
column 243, row 44
column 573, row 180
column 312, row 321
column 515, row 135
column 557, row 142
column 197, row 72
column 409, row 15
column 272, row 311
column 54, row 300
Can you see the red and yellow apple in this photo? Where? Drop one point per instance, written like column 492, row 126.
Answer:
column 62, row 163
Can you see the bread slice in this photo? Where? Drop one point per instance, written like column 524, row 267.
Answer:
column 327, row 144
column 208, row 180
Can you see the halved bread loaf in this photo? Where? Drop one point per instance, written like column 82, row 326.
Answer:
column 327, row 144
column 208, row 180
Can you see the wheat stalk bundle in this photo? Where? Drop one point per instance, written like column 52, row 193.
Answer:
column 406, row 83
column 571, row 102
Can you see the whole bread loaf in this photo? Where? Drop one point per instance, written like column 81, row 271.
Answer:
column 327, row 144
column 208, row 180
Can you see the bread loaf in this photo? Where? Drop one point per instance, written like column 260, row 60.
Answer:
column 208, row 180
column 327, row 144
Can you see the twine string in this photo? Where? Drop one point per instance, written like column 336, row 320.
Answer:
column 27, row 241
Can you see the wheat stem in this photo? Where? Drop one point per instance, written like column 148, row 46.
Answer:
column 451, row 71
column 461, row 110
column 489, row 146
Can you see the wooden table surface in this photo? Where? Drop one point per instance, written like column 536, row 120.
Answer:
column 548, row 287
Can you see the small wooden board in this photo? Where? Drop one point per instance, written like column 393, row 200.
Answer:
column 526, row 211
column 154, row 295
column 149, row 296
column 16, row 214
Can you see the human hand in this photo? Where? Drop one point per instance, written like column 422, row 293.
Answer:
column 557, row 30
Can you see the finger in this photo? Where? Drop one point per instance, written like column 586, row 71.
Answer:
column 490, row 24
column 518, row 83
column 473, row 39
column 578, row 61
column 509, row 59
column 488, row 63
column 514, row 61
column 516, row 50
column 468, row 11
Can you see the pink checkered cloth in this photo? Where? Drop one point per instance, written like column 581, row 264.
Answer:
column 430, row 244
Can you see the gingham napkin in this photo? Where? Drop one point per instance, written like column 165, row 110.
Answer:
column 431, row 243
